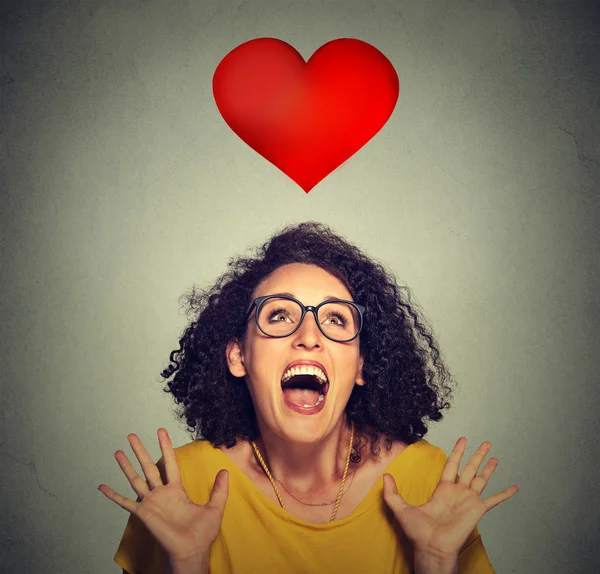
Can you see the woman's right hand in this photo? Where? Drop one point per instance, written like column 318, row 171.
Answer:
column 184, row 529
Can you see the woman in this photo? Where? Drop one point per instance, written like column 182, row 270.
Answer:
column 298, row 364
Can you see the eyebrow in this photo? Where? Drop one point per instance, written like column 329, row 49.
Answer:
column 326, row 298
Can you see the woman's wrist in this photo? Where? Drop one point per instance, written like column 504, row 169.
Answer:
column 427, row 562
column 195, row 565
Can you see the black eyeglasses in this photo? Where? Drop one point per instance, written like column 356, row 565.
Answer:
column 280, row 315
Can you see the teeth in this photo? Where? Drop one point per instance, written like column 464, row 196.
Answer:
column 321, row 397
column 304, row 370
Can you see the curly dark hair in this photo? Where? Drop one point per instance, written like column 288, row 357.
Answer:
column 406, row 380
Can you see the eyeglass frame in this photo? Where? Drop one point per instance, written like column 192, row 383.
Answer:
column 258, row 302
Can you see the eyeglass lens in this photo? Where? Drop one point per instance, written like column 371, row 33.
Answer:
column 279, row 317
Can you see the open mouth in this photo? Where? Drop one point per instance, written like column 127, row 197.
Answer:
column 304, row 390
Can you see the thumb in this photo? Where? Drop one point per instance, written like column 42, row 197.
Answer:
column 220, row 490
column 391, row 495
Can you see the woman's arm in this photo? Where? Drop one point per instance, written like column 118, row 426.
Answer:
column 428, row 564
column 196, row 566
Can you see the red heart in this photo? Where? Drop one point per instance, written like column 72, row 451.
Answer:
column 306, row 118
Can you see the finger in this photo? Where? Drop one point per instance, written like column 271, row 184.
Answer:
column 389, row 484
column 123, row 502
column 499, row 497
column 391, row 495
column 150, row 470
column 450, row 469
column 479, row 483
column 138, row 484
column 220, row 490
column 169, row 457
column 471, row 468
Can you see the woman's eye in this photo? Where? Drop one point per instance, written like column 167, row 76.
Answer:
column 278, row 317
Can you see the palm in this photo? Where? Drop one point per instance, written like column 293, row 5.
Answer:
column 183, row 528
column 178, row 523
column 444, row 522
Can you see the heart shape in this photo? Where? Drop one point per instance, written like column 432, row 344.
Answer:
column 306, row 118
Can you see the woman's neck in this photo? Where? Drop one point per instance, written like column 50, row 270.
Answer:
column 311, row 468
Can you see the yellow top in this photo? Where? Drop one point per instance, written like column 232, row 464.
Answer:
column 258, row 537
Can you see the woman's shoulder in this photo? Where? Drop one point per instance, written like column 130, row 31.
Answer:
column 199, row 462
column 195, row 449
column 418, row 458
column 427, row 451
column 195, row 457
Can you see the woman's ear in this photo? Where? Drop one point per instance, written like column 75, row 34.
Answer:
column 235, row 358
column 359, row 378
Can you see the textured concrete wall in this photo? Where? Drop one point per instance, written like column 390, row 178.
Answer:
column 122, row 186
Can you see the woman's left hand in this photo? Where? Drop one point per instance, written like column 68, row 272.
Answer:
column 442, row 525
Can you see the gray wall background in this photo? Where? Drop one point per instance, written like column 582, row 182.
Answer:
column 122, row 186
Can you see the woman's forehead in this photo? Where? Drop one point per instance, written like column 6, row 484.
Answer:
column 302, row 280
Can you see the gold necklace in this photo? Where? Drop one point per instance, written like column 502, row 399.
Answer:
column 320, row 503
column 339, row 496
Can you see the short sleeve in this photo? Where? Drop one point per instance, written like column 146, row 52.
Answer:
column 473, row 558
column 139, row 552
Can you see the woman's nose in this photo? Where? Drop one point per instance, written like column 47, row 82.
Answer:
column 308, row 332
